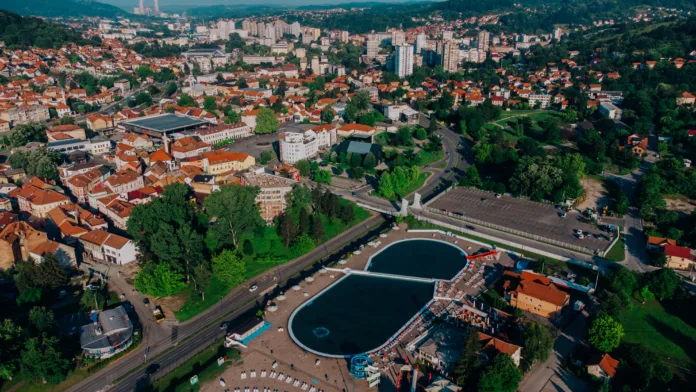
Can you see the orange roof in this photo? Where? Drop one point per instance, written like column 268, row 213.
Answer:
column 539, row 287
column 222, row 157
column 160, row 155
column 39, row 196
column 356, row 127
column 661, row 241
column 490, row 342
column 606, row 363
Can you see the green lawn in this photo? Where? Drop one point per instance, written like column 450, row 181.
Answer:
column 269, row 251
column 660, row 331
column 204, row 365
column 617, row 252
column 428, row 157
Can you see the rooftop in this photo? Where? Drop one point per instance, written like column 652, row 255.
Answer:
column 164, row 123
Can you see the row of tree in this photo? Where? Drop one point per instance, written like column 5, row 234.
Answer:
column 398, row 181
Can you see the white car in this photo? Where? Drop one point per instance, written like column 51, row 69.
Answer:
column 253, row 288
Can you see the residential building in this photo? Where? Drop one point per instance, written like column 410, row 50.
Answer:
column 123, row 181
column 187, row 147
column 271, row 199
column 543, row 100
column 296, row 146
column 372, row 47
column 421, row 42
column 534, row 293
column 678, row 257
column 492, row 346
column 602, row 366
column 353, row 129
column 403, row 61
column 110, row 333
column 100, row 245
column 65, row 132
column 484, row 39
column 657, row 243
column 16, row 241
column 686, row 98
column 442, row 346
column 448, row 52
column 219, row 161
column 609, row 110
column 36, row 198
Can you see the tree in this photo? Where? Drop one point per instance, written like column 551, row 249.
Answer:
column 25, row 133
column 248, row 247
column 347, row 213
column 209, row 103
column 622, row 280
column 501, row 375
column 170, row 89
column 303, row 166
column 462, row 127
column 432, row 125
column 266, row 121
column 287, row 229
column 50, row 274
column 302, row 245
column 327, row 115
column 10, row 346
column 42, row 361
column 386, row 186
column 404, row 136
column 468, row 366
column 420, row 133
column 229, row 267
column 370, row 161
column 232, row 117
column 317, row 228
column 41, row 318
column 357, row 173
column 663, row 283
column 187, row 101
column 552, row 130
column 355, row 160
column 143, row 98
column 322, row 177
column 159, row 280
column 538, row 343
column 234, row 207
column 605, row 333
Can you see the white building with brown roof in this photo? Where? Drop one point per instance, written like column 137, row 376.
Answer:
column 36, row 198
column 100, row 245
column 123, row 181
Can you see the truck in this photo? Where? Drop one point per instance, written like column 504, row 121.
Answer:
column 159, row 315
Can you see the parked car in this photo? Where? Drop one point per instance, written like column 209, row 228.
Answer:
column 146, row 301
column 253, row 288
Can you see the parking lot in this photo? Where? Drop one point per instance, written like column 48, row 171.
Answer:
column 523, row 215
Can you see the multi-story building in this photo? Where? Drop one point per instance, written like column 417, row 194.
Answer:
column 37, row 198
column 271, row 199
column 543, row 100
column 421, row 42
column 398, row 38
column 534, row 293
column 110, row 333
column 219, row 161
column 100, row 245
column 296, row 146
column 484, row 38
column 225, row 132
column 24, row 115
column 449, row 55
column 123, row 181
column 403, row 61
column 372, row 47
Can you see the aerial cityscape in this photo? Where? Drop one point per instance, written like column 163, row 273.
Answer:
column 315, row 196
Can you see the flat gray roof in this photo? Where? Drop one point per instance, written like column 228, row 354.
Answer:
column 164, row 123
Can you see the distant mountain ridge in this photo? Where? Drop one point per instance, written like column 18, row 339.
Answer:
column 61, row 8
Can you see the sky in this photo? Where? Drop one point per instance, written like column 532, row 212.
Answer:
column 193, row 3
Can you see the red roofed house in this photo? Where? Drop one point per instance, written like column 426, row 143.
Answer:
column 534, row 293
column 65, row 132
column 351, row 129
column 678, row 257
column 38, row 201
column 101, row 245
column 491, row 346
column 686, row 98
column 602, row 366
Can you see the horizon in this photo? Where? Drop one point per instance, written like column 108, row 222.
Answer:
column 130, row 4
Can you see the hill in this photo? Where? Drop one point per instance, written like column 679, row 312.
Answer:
column 61, row 8
column 22, row 32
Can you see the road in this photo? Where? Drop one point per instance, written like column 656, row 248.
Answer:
column 199, row 332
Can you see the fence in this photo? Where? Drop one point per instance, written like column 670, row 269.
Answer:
column 515, row 232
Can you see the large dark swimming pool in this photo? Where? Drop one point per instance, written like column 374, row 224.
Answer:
column 357, row 314
column 420, row 258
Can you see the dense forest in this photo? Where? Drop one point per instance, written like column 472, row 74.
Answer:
column 62, row 8
column 24, row 32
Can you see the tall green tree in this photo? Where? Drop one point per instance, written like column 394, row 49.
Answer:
column 266, row 121
column 234, row 208
column 229, row 267
column 41, row 360
column 186, row 101
column 605, row 333
column 41, row 318
column 10, row 346
column 468, row 366
column 159, row 280
column 538, row 343
column 501, row 375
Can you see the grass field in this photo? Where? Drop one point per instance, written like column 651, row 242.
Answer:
column 204, row 365
column 269, row 251
column 428, row 157
column 662, row 332
column 617, row 252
